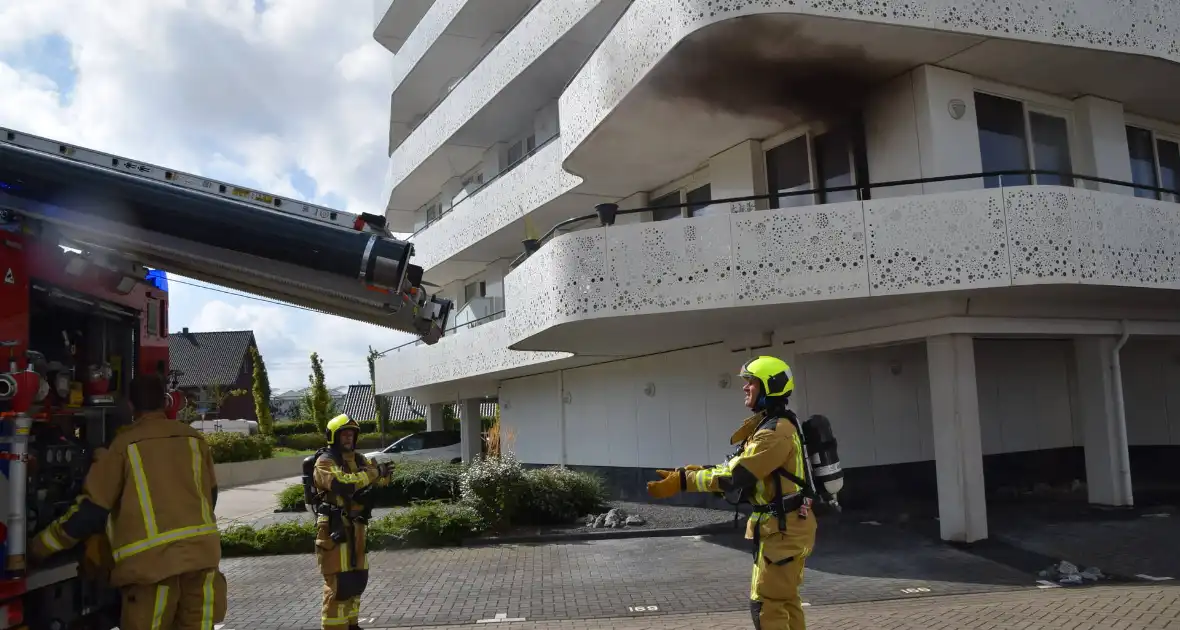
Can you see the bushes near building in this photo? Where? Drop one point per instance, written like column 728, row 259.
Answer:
column 446, row 503
column 229, row 447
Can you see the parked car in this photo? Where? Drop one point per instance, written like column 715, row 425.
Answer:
column 424, row 445
column 245, row 427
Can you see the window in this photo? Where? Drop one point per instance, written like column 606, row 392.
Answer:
column 153, row 317
column 474, row 290
column 1155, row 162
column 663, row 214
column 788, row 169
column 1015, row 138
column 698, row 199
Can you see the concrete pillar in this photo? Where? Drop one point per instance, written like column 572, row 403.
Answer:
column 1104, row 434
column 739, row 171
column 958, row 453
column 434, row 417
column 471, row 429
column 1102, row 143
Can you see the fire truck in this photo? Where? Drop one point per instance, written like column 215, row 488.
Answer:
column 86, row 242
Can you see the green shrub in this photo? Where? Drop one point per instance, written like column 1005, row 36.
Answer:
column 290, row 499
column 556, row 495
column 429, row 524
column 405, row 427
column 493, row 487
column 236, row 447
column 409, row 482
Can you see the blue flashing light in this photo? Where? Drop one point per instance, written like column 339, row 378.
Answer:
column 158, row 278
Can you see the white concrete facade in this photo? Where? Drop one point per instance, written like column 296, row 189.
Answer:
column 946, row 319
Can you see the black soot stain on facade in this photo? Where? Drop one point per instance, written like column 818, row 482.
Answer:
column 765, row 68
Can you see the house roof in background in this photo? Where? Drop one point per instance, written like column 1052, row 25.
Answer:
column 359, row 406
column 208, row 358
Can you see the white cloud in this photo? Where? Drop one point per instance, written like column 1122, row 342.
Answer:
column 292, row 99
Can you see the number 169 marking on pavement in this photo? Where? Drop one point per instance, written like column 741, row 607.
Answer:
column 643, row 609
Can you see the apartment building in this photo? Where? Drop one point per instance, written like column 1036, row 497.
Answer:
column 957, row 221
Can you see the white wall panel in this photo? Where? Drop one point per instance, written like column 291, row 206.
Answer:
column 1151, row 390
column 878, row 401
column 530, row 407
column 1024, row 402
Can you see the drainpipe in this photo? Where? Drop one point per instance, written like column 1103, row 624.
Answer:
column 1124, row 457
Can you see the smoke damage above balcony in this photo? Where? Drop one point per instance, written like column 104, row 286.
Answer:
column 768, row 67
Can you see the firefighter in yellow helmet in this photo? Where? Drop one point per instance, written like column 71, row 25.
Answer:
column 154, row 492
column 340, row 476
column 768, row 469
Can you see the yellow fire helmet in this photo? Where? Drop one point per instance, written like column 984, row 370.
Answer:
column 339, row 423
column 774, row 374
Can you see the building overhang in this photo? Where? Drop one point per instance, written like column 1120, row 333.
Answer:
column 395, row 20
column 650, row 287
column 524, row 72
column 675, row 83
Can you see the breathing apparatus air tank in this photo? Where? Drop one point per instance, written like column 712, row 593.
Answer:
column 826, row 473
column 309, row 490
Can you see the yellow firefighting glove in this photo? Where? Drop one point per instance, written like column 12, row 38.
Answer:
column 667, row 486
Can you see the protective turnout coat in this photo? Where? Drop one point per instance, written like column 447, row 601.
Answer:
column 341, row 480
column 153, row 492
column 782, row 541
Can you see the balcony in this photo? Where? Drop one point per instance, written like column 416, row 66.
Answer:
column 468, row 364
column 453, row 36
column 672, row 66
column 490, row 224
column 394, row 20
column 649, row 287
column 521, row 75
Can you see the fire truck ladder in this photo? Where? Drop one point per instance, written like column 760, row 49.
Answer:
column 316, row 257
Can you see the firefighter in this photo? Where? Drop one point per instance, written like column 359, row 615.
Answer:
column 154, row 492
column 768, row 469
column 340, row 475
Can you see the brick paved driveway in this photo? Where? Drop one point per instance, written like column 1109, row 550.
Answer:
column 1098, row 608
column 602, row 579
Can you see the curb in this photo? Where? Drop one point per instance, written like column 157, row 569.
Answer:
column 613, row 534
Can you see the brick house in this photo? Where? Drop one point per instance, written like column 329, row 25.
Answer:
column 209, row 360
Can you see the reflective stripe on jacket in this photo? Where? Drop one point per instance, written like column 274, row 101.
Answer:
column 153, row 492
column 766, row 447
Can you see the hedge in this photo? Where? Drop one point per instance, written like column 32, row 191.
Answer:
column 237, row 447
column 312, row 441
column 429, row 524
column 448, row 502
column 367, row 427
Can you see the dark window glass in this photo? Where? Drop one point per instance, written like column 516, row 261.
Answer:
column 1050, row 137
column 1002, row 143
column 697, row 199
column 664, row 214
column 787, row 170
column 1169, row 155
column 833, row 163
column 1142, row 161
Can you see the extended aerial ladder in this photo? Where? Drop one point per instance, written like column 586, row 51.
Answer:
column 328, row 260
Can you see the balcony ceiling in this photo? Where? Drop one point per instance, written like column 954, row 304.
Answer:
column 399, row 19
column 509, row 112
column 470, row 34
column 752, row 76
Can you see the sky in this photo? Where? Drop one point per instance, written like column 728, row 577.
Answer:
column 287, row 96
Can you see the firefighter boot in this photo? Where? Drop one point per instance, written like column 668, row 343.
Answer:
column 774, row 586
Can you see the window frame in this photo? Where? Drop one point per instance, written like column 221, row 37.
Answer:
column 1044, row 104
column 682, row 186
column 1159, row 130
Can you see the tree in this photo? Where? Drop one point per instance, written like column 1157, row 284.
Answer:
column 321, row 401
column 380, row 418
column 218, row 396
column 261, row 393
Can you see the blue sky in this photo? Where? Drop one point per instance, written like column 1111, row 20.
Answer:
column 287, row 96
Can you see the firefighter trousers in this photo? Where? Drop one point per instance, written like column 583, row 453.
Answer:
column 775, row 603
column 342, row 599
column 189, row 601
